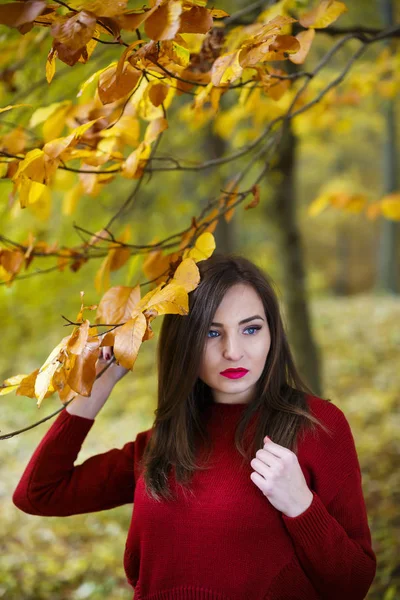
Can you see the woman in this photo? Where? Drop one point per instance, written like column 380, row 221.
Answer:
column 220, row 510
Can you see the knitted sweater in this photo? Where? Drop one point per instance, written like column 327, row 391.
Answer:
column 227, row 541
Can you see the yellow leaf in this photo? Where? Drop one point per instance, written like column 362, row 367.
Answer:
column 324, row 14
column 390, row 205
column 133, row 166
column 128, row 340
column 187, row 275
column 171, row 298
column 51, row 64
column 318, row 205
column 226, row 68
column 47, row 370
column 204, row 247
column 101, row 8
column 30, row 192
column 11, row 384
column 154, row 129
column 32, row 166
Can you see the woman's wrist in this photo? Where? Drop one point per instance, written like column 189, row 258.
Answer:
column 90, row 406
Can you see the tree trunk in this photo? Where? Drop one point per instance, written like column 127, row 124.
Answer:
column 387, row 268
column 225, row 232
column 292, row 263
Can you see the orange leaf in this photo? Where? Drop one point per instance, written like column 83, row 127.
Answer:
column 117, row 304
column 128, row 340
column 197, row 19
column 15, row 14
column 164, row 23
column 256, row 193
column 27, row 385
column 79, row 338
column 83, row 373
column 157, row 93
column 112, row 88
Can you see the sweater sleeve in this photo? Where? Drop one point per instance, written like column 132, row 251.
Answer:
column 332, row 538
column 52, row 486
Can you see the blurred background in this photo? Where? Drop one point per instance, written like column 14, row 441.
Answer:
column 333, row 257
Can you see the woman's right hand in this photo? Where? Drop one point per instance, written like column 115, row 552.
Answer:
column 114, row 372
column 90, row 406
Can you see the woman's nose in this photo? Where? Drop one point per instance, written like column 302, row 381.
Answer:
column 232, row 349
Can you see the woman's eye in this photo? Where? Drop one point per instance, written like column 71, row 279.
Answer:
column 211, row 332
column 254, row 328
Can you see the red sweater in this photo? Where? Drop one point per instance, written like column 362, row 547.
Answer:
column 227, row 542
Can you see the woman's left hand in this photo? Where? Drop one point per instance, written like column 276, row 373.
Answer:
column 278, row 475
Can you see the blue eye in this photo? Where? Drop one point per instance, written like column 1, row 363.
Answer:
column 255, row 328
column 211, row 332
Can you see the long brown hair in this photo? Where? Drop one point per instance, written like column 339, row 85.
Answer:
column 178, row 428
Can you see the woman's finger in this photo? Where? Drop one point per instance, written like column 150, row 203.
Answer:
column 106, row 352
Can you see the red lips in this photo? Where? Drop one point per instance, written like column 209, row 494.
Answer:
column 234, row 373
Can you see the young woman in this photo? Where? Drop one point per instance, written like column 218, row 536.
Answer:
column 220, row 510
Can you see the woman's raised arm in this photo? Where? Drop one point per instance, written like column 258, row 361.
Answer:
column 52, row 486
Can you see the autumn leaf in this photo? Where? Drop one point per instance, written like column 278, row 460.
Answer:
column 117, row 304
column 75, row 31
column 79, row 338
column 27, row 385
column 101, row 8
column 390, row 206
column 83, row 372
column 47, row 370
column 323, row 15
column 226, row 68
column 157, row 93
column 197, row 19
column 256, row 199
column 117, row 256
column 164, row 23
column 51, row 64
column 128, row 340
column 305, row 39
column 112, row 87
column 204, row 247
column 187, row 275
column 15, row 14
column 11, row 384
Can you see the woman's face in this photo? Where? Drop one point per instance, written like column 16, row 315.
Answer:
column 231, row 344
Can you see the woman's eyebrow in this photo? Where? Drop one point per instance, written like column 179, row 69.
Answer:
column 240, row 322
